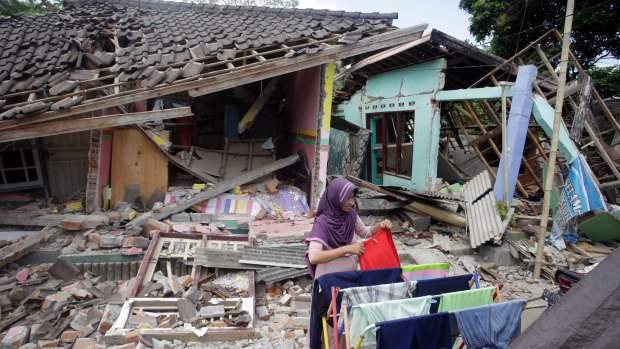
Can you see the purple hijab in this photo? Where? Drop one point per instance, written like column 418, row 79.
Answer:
column 333, row 227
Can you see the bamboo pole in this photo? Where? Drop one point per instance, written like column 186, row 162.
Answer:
column 568, row 23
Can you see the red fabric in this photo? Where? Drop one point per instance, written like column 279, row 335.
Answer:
column 380, row 252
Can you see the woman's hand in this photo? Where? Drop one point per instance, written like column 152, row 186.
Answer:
column 386, row 224
column 356, row 249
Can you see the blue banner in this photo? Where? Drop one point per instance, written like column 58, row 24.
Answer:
column 579, row 195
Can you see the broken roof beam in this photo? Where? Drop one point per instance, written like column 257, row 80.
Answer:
column 245, row 75
column 176, row 161
column 382, row 55
column 218, row 189
column 248, row 119
column 98, row 122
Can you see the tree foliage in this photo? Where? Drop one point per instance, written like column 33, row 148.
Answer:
column 513, row 24
column 606, row 80
column 28, row 7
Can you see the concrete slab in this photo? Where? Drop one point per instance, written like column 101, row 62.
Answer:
column 499, row 254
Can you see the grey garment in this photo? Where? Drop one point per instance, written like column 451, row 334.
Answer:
column 490, row 326
column 354, row 296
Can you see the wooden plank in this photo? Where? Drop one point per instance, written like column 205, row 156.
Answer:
column 135, row 160
column 382, row 55
column 238, row 77
column 218, row 189
column 99, row 122
column 248, row 119
column 202, row 175
column 579, row 119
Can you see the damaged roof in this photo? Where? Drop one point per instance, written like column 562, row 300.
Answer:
column 95, row 43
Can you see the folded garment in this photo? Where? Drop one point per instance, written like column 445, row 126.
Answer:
column 490, row 326
column 420, row 332
column 466, row 299
column 366, row 314
column 426, row 271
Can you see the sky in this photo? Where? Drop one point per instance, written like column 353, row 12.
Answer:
column 444, row 15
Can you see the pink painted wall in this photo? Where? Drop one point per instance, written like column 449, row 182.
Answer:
column 302, row 113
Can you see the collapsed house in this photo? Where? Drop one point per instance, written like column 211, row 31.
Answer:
column 428, row 113
column 160, row 134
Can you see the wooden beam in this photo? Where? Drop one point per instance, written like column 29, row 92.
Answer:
column 98, row 122
column 382, row 55
column 240, row 76
column 579, row 119
column 288, row 65
column 248, row 119
column 218, row 189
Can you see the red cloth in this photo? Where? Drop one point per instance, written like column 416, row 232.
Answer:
column 380, row 252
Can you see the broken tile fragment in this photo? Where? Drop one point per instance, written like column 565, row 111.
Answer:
column 55, row 301
column 15, row 337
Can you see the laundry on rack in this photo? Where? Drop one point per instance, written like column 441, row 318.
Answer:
column 379, row 252
column 490, row 326
column 421, row 332
column 321, row 294
column 426, row 271
column 443, row 285
column 466, row 299
column 366, row 314
column 372, row 294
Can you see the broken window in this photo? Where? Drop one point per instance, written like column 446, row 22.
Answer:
column 19, row 168
column 391, row 144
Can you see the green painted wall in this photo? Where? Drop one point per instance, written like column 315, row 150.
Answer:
column 407, row 89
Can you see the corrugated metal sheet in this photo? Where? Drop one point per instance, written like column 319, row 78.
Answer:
column 483, row 221
column 111, row 270
column 477, row 186
column 281, row 256
column 275, row 274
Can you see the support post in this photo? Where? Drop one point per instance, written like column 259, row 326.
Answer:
column 504, row 144
column 568, row 23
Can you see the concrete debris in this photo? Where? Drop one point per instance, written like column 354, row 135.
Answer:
column 107, row 285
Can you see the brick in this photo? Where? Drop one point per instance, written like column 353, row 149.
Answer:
column 271, row 188
column 79, row 322
column 153, row 225
column 84, row 343
column 125, row 346
column 285, row 299
column 69, row 336
column 86, row 331
column 72, row 223
column 94, row 238
column 55, row 301
column 299, row 322
column 111, row 241
column 15, row 337
column 49, row 343
column 132, row 336
column 295, row 290
column 110, row 314
column 136, row 241
column 262, row 313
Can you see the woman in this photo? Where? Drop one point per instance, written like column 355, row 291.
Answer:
column 330, row 243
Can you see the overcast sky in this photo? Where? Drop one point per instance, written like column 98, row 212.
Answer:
column 444, row 15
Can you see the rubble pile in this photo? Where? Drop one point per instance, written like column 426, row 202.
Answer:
column 238, row 280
